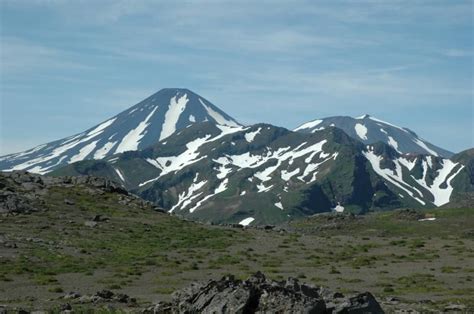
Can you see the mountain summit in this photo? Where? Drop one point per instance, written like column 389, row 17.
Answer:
column 149, row 121
column 369, row 130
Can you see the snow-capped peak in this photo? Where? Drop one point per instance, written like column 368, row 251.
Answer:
column 369, row 130
column 153, row 119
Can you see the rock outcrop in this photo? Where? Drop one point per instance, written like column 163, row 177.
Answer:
column 258, row 294
column 22, row 192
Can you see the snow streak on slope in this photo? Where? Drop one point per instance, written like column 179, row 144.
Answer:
column 102, row 152
column 132, row 139
column 392, row 176
column 190, row 156
column 361, row 131
column 250, row 136
column 287, row 175
column 217, row 116
column 425, row 147
column 176, row 107
column 308, row 125
column 185, row 198
column 441, row 188
column 387, row 123
column 393, row 143
column 370, row 130
column 247, row 221
column 84, row 152
column 281, row 155
column 119, row 174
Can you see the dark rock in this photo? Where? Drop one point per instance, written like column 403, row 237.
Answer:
column 455, row 308
column 69, row 202
column 122, row 298
column 393, row 300
column 408, row 214
column 361, row 303
column 105, row 294
column 99, row 218
column 161, row 307
column 72, row 295
column 10, row 245
column 91, row 224
column 65, row 307
column 256, row 294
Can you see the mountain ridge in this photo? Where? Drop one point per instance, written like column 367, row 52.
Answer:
column 153, row 119
column 265, row 174
column 369, row 130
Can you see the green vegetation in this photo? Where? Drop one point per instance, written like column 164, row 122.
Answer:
column 147, row 254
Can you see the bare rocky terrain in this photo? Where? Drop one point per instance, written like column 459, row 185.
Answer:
column 85, row 243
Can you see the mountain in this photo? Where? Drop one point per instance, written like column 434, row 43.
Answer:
column 370, row 130
column 266, row 175
column 463, row 196
column 151, row 120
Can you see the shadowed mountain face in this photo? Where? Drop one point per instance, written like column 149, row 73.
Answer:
column 370, row 130
column 140, row 126
column 267, row 175
column 185, row 155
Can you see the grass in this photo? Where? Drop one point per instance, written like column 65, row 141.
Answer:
column 148, row 254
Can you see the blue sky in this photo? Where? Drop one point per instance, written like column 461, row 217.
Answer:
column 68, row 65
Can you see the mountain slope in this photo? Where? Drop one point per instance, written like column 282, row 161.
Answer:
column 463, row 195
column 265, row 174
column 142, row 125
column 370, row 130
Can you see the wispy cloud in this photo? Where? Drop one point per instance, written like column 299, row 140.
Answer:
column 458, row 53
column 20, row 55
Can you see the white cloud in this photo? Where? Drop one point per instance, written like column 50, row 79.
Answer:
column 20, row 56
column 455, row 53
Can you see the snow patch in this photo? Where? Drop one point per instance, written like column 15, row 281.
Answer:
column 217, row 116
column 286, row 175
column 101, row 127
column 83, row 152
column 392, row 176
column 387, row 123
column 246, row 221
column 175, row 108
column 104, row 150
column 250, row 136
column 338, row 208
column 262, row 188
column 393, row 143
column 132, row 139
column 185, row 198
column 444, row 176
column 361, row 131
column 308, row 125
column 427, row 219
column 279, row 205
column 119, row 174
column 222, row 187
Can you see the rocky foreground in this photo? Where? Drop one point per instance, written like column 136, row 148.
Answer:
column 22, row 192
column 258, row 294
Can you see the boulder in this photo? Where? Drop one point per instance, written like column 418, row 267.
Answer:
column 361, row 303
column 258, row 294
